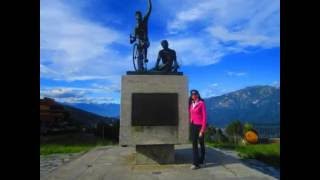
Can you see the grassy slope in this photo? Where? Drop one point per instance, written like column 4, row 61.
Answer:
column 70, row 143
column 267, row 153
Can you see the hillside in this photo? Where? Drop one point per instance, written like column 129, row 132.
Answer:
column 256, row 104
column 85, row 118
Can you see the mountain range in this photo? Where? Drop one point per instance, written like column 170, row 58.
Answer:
column 105, row 109
column 85, row 118
column 255, row 104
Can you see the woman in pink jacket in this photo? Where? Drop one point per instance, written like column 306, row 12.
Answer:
column 198, row 121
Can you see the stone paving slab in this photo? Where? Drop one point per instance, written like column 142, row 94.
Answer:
column 118, row 163
column 51, row 162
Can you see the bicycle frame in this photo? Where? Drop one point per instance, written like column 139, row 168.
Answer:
column 138, row 58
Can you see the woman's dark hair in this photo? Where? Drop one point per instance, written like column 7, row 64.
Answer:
column 196, row 92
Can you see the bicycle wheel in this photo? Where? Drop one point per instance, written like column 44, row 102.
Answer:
column 145, row 61
column 135, row 56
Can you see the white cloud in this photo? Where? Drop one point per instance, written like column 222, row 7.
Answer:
column 225, row 26
column 63, row 92
column 241, row 38
column 87, row 100
column 190, row 51
column 198, row 11
column 275, row 84
column 212, row 90
column 231, row 73
column 107, row 88
column 92, row 94
column 74, row 48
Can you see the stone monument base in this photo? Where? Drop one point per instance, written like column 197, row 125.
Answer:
column 155, row 154
column 154, row 115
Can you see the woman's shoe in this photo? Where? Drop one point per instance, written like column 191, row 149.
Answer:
column 193, row 167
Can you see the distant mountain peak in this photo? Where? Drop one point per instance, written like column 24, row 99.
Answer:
column 103, row 109
column 253, row 104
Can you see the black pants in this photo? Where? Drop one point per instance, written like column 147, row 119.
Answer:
column 195, row 129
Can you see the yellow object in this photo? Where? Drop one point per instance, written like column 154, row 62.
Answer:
column 251, row 137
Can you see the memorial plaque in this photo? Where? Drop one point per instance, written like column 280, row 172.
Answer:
column 154, row 109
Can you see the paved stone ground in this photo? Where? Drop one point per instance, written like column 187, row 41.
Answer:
column 118, row 163
column 51, row 162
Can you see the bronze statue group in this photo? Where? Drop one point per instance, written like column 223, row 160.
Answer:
column 167, row 56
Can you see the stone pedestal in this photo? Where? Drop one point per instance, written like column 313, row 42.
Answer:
column 154, row 115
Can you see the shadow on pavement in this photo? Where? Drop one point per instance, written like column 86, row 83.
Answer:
column 216, row 158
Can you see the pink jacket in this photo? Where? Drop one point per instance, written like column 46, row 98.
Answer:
column 198, row 115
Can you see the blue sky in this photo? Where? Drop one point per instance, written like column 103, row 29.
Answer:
column 223, row 45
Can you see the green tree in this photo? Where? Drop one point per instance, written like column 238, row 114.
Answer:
column 221, row 138
column 247, row 127
column 211, row 132
column 235, row 131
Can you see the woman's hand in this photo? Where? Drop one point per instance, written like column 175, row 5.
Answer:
column 200, row 134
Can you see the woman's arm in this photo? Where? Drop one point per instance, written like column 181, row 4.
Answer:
column 204, row 117
column 189, row 113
